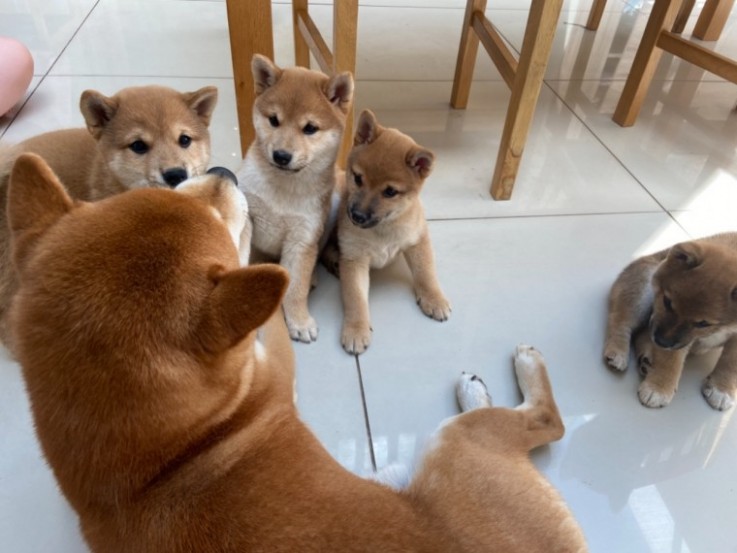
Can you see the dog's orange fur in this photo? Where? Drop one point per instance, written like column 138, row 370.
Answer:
column 169, row 428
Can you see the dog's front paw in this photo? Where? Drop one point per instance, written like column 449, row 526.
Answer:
column 472, row 393
column 651, row 396
column 302, row 330
column 356, row 337
column 435, row 306
column 718, row 399
column 616, row 356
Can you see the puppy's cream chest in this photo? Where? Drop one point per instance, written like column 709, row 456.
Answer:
column 716, row 340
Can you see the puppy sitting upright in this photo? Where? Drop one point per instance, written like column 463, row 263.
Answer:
column 288, row 174
column 675, row 302
column 170, row 429
column 147, row 136
column 381, row 215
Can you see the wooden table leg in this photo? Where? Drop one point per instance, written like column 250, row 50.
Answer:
column 646, row 60
column 712, row 19
column 466, row 56
column 597, row 10
column 250, row 29
column 345, row 34
column 536, row 47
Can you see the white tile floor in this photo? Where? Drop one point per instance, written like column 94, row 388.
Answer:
column 589, row 197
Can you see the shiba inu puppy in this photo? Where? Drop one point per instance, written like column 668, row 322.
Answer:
column 676, row 302
column 148, row 136
column 170, row 428
column 380, row 217
column 288, row 174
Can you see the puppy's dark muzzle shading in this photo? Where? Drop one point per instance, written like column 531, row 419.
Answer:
column 282, row 158
column 672, row 342
column 360, row 219
column 223, row 173
column 175, row 176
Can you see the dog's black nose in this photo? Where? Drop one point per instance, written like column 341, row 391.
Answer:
column 358, row 217
column 172, row 177
column 223, row 173
column 665, row 342
column 282, row 157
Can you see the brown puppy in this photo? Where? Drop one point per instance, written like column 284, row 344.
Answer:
column 169, row 428
column 381, row 216
column 675, row 302
column 140, row 137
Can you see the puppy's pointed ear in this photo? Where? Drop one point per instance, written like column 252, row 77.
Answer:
column 367, row 128
column 339, row 90
column 420, row 160
column 36, row 201
column 98, row 110
column 202, row 102
column 240, row 302
column 265, row 73
column 688, row 254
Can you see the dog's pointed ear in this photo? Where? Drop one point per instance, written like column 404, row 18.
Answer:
column 36, row 201
column 339, row 90
column 420, row 160
column 240, row 302
column 202, row 102
column 688, row 254
column 265, row 73
column 98, row 110
column 367, row 128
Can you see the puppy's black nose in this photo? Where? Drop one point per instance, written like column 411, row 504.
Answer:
column 665, row 342
column 282, row 157
column 358, row 217
column 223, row 173
column 172, row 177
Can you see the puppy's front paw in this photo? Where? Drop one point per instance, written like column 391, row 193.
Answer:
column 651, row 396
column 616, row 356
column 527, row 360
column 718, row 399
column 434, row 305
column 356, row 337
column 302, row 330
column 472, row 393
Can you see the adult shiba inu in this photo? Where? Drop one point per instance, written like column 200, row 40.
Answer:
column 676, row 302
column 170, row 428
column 288, row 174
column 140, row 137
column 381, row 216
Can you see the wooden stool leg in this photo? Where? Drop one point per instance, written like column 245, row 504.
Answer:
column 643, row 67
column 301, row 50
column 249, row 26
column 536, row 47
column 466, row 56
column 683, row 14
column 597, row 10
column 712, row 19
column 345, row 34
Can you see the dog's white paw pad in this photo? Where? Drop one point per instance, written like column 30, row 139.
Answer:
column 527, row 359
column 615, row 360
column 472, row 393
column 718, row 399
column 650, row 397
column 303, row 332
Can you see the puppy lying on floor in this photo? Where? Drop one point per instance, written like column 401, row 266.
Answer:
column 170, row 428
column 675, row 302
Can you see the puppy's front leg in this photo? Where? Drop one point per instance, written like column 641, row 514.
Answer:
column 720, row 386
column 661, row 382
column 299, row 259
column 354, row 287
column 429, row 296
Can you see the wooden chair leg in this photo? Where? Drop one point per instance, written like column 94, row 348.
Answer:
column 466, row 56
column 646, row 59
column 683, row 14
column 249, row 26
column 597, row 10
column 712, row 19
column 536, row 47
column 301, row 49
column 345, row 35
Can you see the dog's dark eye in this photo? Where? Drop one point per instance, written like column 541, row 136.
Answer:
column 389, row 192
column 358, row 179
column 274, row 120
column 309, row 128
column 702, row 324
column 667, row 303
column 139, row 147
column 185, row 141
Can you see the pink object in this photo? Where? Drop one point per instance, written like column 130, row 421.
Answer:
column 16, row 72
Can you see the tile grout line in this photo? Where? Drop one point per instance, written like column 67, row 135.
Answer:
column 365, row 414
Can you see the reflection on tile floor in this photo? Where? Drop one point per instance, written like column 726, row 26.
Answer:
column 590, row 196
